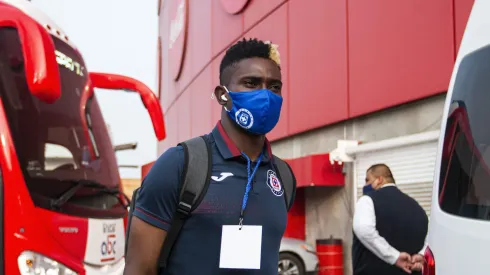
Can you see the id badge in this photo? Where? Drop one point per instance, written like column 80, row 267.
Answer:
column 241, row 247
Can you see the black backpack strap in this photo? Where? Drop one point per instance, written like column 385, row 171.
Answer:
column 132, row 205
column 194, row 184
column 286, row 175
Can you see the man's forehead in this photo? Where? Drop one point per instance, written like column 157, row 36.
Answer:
column 257, row 67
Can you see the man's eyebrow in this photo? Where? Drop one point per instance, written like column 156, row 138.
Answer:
column 255, row 77
column 277, row 81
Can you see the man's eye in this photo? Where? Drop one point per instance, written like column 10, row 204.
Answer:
column 250, row 82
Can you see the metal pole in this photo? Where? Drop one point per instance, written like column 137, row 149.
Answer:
column 125, row 146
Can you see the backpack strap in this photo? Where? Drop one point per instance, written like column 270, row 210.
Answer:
column 288, row 180
column 132, row 205
column 194, row 184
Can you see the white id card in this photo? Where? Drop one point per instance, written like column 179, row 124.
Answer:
column 241, row 249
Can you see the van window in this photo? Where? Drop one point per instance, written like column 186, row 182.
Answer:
column 464, row 188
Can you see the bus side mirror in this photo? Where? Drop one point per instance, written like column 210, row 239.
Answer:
column 41, row 68
column 150, row 100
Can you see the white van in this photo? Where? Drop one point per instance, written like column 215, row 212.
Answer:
column 459, row 232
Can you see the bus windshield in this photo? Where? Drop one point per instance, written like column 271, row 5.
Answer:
column 49, row 139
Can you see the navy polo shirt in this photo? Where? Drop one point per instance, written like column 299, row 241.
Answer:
column 197, row 250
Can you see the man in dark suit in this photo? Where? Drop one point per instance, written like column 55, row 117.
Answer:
column 389, row 226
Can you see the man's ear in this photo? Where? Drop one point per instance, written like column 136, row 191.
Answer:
column 222, row 96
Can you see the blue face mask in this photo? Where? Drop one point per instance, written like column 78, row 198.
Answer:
column 255, row 111
column 367, row 189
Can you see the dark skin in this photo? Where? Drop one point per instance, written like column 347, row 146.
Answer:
column 248, row 75
column 144, row 246
column 145, row 241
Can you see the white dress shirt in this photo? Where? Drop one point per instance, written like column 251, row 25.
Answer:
column 364, row 226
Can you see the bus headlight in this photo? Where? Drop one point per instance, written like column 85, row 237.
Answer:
column 31, row 263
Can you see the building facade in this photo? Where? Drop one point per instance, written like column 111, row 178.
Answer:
column 369, row 72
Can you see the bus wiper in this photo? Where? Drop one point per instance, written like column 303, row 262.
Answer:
column 68, row 194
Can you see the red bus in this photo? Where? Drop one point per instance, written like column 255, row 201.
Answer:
column 62, row 210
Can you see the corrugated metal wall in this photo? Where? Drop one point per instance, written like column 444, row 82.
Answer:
column 412, row 166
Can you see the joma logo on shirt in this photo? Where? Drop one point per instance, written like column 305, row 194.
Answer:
column 223, row 176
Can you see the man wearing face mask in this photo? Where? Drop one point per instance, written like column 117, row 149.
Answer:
column 389, row 227
column 238, row 225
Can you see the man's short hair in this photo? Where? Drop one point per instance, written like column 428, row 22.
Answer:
column 243, row 49
column 382, row 170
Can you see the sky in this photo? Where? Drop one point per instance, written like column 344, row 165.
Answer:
column 116, row 36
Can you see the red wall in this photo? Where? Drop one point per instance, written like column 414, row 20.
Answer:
column 296, row 227
column 145, row 169
column 340, row 59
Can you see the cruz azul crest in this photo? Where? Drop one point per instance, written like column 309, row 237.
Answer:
column 274, row 184
column 244, row 118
